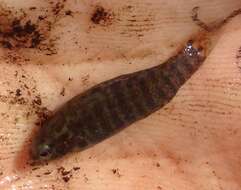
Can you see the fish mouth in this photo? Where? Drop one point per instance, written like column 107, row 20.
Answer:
column 34, row 154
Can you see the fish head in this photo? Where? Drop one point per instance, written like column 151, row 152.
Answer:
column 53, row 140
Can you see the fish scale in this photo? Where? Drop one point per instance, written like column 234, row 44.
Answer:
column 110, row 106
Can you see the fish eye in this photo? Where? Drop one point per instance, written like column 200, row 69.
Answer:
column 45, row 151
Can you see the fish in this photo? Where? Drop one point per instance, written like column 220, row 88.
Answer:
column 111, row 106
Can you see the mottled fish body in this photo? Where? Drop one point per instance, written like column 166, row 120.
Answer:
column 110, row 106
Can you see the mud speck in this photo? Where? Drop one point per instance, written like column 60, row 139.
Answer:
column 18, row 92
column 35, row 168
column 37, row 100
column 86, row 179
column 76, row 168
column 47, row 173
column 62, row 93
column 85, row 79
column 238, row 58
column 66, row 178
column 65, row 174
column 101, row 16
column 116, row 172
column 69, row 13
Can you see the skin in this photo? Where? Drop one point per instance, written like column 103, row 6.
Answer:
column 192, row 143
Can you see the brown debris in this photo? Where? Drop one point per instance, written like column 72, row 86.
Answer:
column 85, row 79
column 69, row 13
column 232, row 15
column 20, row 35
column 66, row 178
column 32, row 8
column 18, row 92
column 86, row 179
column 238, row 58
column 37, row 100
column 216, row 25
column 58, row 7
column 101, row 16
column 47, row 173
column 62, row 93
column 43, row 114
column 66, row 175
column 35, row 168
column 196, row 19
column 29, row 28
column 76, row 168
column 116, row 172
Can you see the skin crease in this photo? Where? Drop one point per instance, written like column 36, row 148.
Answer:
column 192, row 143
